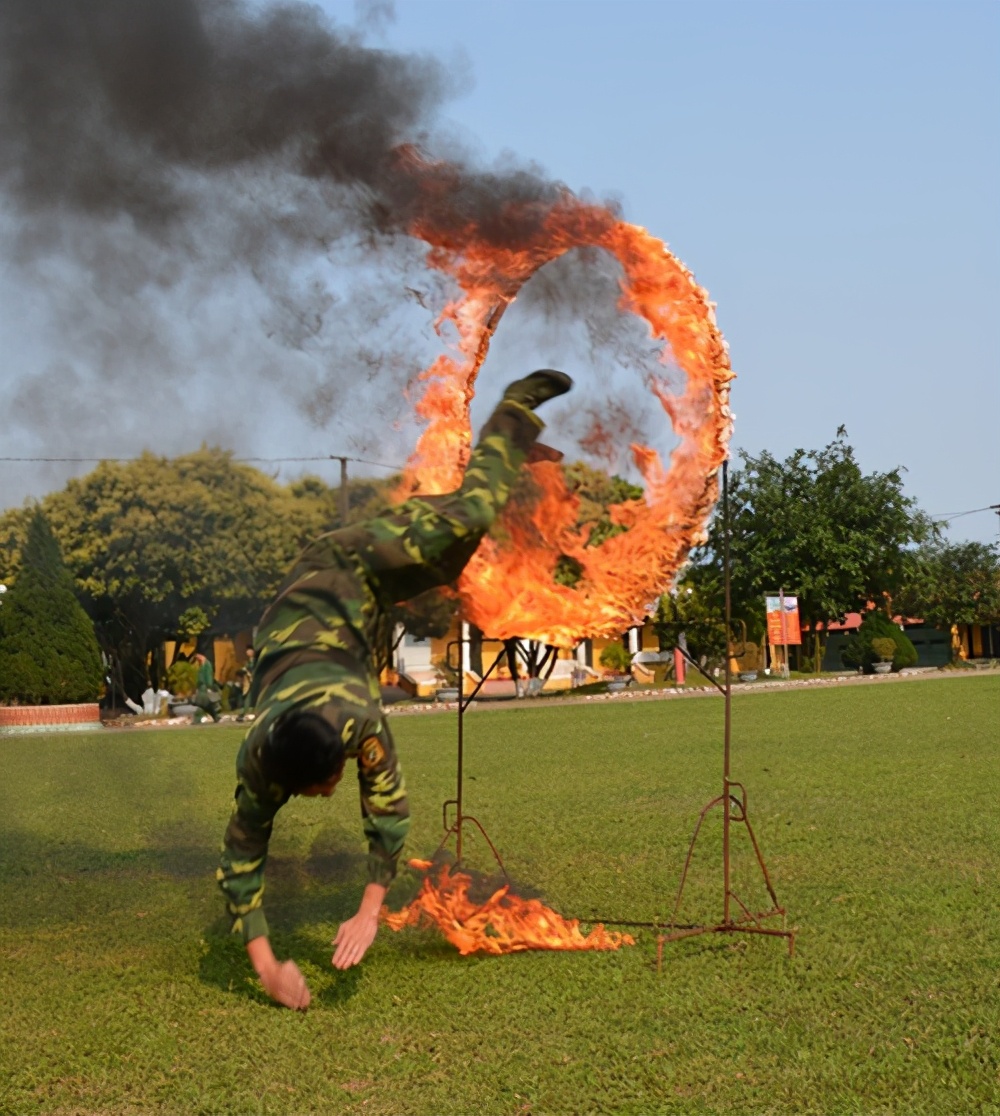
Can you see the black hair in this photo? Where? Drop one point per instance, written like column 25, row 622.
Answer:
column 301, row 750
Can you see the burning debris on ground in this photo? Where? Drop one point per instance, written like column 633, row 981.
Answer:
column 497, row 922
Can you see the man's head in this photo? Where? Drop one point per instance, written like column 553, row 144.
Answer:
column 303, row 754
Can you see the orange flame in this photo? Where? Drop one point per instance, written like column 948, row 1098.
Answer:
column 508, row 589
column 505, row 923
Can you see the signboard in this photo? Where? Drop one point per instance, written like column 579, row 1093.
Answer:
column 783, row 622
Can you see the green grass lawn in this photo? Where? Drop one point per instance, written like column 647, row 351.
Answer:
column 876, row 808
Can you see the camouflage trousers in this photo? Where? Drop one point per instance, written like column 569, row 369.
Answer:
column 427, row 541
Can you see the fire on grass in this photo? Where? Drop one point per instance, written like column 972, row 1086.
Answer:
column 505, row 923
column 509, row 589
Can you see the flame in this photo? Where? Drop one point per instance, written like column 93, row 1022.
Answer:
column 508, row 589
column 505, row 923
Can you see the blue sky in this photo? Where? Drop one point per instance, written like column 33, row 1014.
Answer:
column 829, row 171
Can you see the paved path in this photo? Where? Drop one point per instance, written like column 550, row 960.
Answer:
column 670, row 692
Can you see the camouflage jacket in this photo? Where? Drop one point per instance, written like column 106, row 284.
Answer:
column 314, row 650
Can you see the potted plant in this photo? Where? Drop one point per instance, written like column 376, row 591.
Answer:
column 885, row 651
column 616, row 662
column 448, row 691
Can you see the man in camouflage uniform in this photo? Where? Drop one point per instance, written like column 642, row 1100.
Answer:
column 316, row 691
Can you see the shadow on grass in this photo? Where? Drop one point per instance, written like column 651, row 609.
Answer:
column 224, row 965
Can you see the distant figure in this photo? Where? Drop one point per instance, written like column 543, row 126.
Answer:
column 207, row 697
column 245, row 674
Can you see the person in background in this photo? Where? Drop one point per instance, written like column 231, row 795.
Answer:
column 246, row 679
column 208, row 696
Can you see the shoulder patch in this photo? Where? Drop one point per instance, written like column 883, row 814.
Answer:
column 372, row 753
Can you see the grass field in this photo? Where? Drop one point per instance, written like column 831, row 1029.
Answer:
column 876, row 808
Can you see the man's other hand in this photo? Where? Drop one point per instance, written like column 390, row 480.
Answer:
column 282, row 981
column 357, row 933
column 286, row 985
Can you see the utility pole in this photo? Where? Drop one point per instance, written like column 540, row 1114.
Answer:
column 996, row 508
column 344, row 495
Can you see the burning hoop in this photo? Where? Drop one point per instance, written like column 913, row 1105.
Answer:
column 509, row 589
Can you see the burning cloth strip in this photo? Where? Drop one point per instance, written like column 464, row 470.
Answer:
column 505, row 923
column 509, row 589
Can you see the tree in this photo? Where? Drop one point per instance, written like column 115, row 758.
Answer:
column 817, row 526
column 48, row 650
column 951, row 583
column 149, row 540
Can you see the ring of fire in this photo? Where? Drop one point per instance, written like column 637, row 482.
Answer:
column 508, row 589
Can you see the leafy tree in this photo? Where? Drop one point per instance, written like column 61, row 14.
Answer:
column 150, row 540
column 815, row 524
column 951, row 583
column 48, row 650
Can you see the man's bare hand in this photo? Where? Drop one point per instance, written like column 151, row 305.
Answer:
column 357, row 933
column 353, row 939
column 281, row 980
column 286, row 985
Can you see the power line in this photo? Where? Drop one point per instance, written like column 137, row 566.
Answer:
column 958, row 515
column 242, row 460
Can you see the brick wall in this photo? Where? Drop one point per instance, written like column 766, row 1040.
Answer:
column 21, row 715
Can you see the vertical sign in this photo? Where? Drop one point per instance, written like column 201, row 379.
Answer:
column 783, row 619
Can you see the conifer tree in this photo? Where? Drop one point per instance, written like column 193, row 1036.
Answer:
column 48, row 651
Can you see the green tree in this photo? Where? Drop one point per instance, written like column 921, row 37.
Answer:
column 149, row 540
column 951, row 583
column 816, row 525
column 48, row 651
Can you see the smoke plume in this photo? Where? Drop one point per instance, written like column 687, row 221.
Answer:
column 204, row 207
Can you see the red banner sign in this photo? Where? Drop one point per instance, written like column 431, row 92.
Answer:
column 783, row 620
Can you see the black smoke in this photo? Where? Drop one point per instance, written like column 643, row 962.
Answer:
column 204, row 210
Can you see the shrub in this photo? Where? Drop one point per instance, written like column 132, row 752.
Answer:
column 48, row 651
column 614, row 657
column 859, row 651
column 884, row 648
column 182, row 678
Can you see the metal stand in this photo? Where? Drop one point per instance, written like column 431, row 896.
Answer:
column 460, row 817
column 734, row 809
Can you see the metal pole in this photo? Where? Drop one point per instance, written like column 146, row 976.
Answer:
column 461, row 739
column 345, row 504
column 728, row 696
column 784, row 633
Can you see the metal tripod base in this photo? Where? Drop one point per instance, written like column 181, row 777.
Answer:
column 454, row 828
column 746, row 922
